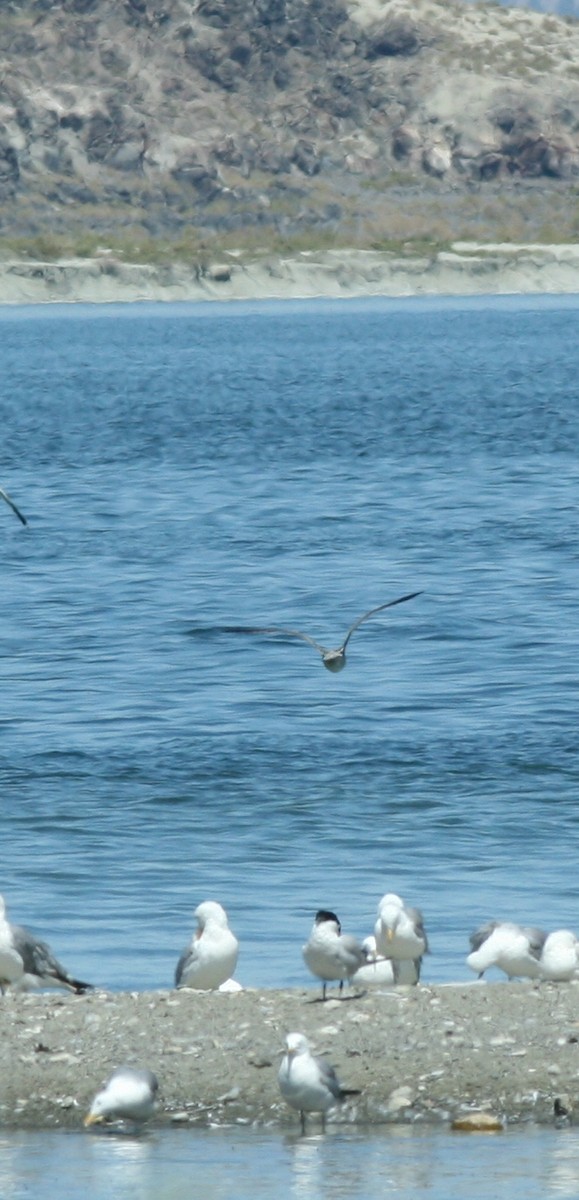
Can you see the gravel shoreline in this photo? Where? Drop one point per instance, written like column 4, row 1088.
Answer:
column 416, row 1054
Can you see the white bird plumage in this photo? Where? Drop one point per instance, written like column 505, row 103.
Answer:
column 307, row 1083
column 399, row 931
column 11, row 964
column 129, row 1095
column 559, row 959
column 211, row 956
column 40, row 969
column 330, row 954
column 514, row 949
column 385, row 971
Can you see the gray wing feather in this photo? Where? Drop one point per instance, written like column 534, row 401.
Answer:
column 371, row 611
column 185, row 960
column 354, row 948
column 537, row 939
column 418, row 922
column 482, row 934
column 329, row 1077
column 12, row 505
column 274, row 629
column 38, row 959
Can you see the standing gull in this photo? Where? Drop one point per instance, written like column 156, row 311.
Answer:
column 331, row 954
column 129, row 1095
column 334, row 660
column 308, row 1083
column 4, row 496
column 211, row 956
column 40, row 968
column 514, row 949
column 400, row 932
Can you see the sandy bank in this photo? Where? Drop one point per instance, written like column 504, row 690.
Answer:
column 467, row 269
column 423, row 1053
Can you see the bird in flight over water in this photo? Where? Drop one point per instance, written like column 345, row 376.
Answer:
column 333, row 660
column 4, row 495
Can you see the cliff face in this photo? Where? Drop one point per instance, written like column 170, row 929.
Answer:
column 228, row 114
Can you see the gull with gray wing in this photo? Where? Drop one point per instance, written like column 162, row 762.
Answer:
column 399, row 931
column 211, row 956
column 129, row 1095
column 40, row 969
column 333, row 660
column 514, row 949
column 308, row 1083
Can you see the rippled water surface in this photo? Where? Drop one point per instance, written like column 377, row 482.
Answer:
column 185, row 469
column 259, row 1165
column 188, row 468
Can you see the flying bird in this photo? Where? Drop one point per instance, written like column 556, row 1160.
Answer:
column 211, row 956
column 309, row 1083
column 331, row 954
column 129, row 1095
column 4, row 496
column 333, row 660
column 39, row 966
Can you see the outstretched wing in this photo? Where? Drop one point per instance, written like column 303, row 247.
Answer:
column 12, row 505
column 366, row 615
column 273, row 629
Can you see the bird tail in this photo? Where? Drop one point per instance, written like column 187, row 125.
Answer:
column 75, row 985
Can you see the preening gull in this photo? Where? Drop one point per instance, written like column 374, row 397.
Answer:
column 308, row 1083
column 211, row 956
column 559, row 959
column 514, row 949
column 334, row 660
column 129, row 1095
column 40, row 969
column 4, row 496
column 331, row 954
column 386, row 971
column 400, row 932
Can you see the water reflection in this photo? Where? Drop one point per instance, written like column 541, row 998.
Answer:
column 562, row 1176
column 251, row 1164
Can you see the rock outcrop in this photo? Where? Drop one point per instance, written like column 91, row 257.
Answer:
column 230, row 115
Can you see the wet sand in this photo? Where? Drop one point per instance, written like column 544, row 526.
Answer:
column 466, row 269
column 416, row 1054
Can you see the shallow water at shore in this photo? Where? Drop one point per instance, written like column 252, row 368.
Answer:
column 253, row 1164
column 195, row 469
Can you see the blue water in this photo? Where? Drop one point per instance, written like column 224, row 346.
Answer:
column 217, row 1164
column 184, row 469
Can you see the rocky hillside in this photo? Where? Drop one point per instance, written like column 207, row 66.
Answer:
column 371, row 121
